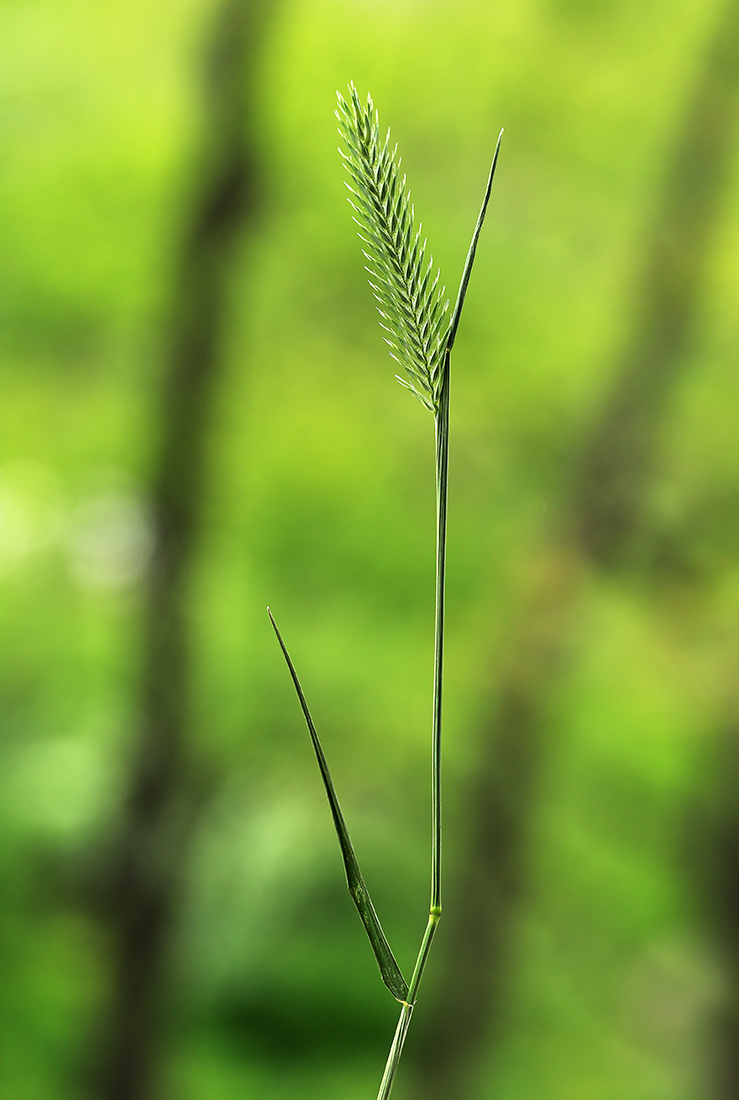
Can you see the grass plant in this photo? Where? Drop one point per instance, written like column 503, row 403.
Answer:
column 421, row 334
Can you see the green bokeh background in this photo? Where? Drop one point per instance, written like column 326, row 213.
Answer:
column 320, row 503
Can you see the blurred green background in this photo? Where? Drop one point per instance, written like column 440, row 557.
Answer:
column 590, row 943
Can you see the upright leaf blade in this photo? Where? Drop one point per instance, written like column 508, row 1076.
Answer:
column 467, row 270
column 389, row 969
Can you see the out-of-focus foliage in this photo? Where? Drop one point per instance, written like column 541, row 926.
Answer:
column 321, row 503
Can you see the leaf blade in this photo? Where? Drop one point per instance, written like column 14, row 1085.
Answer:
column 467, row 270
column 388, row 966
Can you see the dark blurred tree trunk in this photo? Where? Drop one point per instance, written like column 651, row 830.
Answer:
column 160, row 804
column 718, row 854
column 617, row 465
column 605, row 528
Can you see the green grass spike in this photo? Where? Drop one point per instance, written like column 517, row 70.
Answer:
column 410, row 302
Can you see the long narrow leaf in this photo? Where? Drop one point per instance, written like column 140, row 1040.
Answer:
column 467, row 271
column 389, row 969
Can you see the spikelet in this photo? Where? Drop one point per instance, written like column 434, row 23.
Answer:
column 410, row 303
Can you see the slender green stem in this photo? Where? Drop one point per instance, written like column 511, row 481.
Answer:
column 441, row 421
column 442, row 483
column 395, row 1051
column 442, row 490
column 406, row 1011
